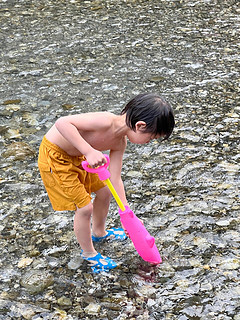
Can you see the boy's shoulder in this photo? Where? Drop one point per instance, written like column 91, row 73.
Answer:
column 92, row 120
column 103, row 118
column 99, row 113
column 107, row 116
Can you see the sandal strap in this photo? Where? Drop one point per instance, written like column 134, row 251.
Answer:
column 113, row 234
column 100, row 262
column 118, row 233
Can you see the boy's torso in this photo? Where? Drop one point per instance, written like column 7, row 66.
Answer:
column 101, row 140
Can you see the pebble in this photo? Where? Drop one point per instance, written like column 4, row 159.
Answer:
column 230, row 264
column 147, row 291
column 92, row 309
column 75, row 263
column 36, row 281
column 24, row 262
column 223, row 223
column 64, row 302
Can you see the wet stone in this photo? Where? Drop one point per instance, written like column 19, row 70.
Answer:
column 67, row 106
column 64, row 302
column 17, row 310
column 230, row 264
column 36, row 281
column 92, row 309
column 75, row 263
column 24, row 262
column 147, row 291
column 18, row 150
column 16, row 101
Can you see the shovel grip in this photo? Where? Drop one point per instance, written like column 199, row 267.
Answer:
column 102, row 171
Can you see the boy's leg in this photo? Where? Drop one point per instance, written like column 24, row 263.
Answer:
column 82, row 229
column 100, row 211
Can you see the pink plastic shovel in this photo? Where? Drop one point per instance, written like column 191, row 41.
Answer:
column 143, row 242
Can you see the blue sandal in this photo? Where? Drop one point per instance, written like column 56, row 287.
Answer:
column 100, row 263
column 112, row 234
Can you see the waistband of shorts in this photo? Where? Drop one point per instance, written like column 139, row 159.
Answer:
column 54, row 147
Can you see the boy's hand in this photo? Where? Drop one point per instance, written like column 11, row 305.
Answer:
column 95, row 158
column 125, row 230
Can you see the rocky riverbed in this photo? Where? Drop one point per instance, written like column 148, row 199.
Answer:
column 69, row 56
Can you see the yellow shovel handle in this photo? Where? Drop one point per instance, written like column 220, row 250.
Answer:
column 115, row 195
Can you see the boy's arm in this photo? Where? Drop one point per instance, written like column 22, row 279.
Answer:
column 115, row 168
column 69, row 128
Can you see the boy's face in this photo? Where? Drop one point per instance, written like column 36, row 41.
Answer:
column 140, row 136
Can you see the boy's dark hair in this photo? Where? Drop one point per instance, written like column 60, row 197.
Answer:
column 153, row 110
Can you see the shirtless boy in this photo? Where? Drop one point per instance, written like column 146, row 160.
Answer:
column 75, row 138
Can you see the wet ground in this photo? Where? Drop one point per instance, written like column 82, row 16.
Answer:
column 64, row 57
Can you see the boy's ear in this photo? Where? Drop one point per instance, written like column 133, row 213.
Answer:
column 140, row 126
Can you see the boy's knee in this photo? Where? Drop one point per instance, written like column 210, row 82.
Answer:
column 108, row 194
column 85, row 211
column 104, row 194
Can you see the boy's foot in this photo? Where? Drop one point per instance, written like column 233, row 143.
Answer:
column 112, row 234
column 100, row 263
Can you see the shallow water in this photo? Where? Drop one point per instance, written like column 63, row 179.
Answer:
column 66, row 57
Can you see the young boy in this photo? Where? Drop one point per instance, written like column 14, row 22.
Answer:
column 75, row 138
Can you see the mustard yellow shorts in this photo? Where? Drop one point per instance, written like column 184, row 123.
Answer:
column 68, row 185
